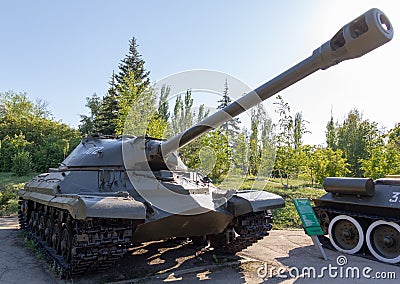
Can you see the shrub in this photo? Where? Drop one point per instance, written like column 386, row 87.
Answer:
column 22, row 163
column 8, row 200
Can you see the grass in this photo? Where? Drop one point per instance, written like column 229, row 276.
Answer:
column 9, row 186
column 287, row 217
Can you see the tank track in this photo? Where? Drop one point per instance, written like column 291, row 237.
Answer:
column 73, row 247
column 363, row 253
column 245, row 231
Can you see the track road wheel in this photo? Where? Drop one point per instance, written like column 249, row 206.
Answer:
column 346, row 234
column 66, row 244
column 56, row 237
column 383, row 241
column 323, row 218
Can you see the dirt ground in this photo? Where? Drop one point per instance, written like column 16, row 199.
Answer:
column 283, row 257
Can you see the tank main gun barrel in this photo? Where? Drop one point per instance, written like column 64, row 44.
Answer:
column 360, row 36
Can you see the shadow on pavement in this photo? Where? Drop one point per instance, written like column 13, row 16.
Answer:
column 171, row 260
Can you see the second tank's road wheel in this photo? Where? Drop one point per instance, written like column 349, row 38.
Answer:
column 346, row 234
column 383, row 241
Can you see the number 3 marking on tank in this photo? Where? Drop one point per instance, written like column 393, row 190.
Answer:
column 395, row 197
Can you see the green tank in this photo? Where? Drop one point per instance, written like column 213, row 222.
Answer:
column 110, row 194
column 362, row 216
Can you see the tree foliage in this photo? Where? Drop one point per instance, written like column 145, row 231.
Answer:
column 290, row 158
column 88, row 122
column 163, row 106
column 31, row 140
column 384, row 158
column 325, row 163
column 231, row 127
column 107, row 115
column 129, row 107
column 331, row 134
column 356, row 138
column 183, row 116
column 132, row 66
column 29, row 135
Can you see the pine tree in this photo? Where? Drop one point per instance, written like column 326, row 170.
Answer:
column 129, row 96
column 231, row 127
column 107, row 117
column 137, row 110
column 133, row 66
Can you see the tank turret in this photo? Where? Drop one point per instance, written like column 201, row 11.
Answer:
column 111, row 193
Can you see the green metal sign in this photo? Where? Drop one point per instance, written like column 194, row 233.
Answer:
column 308, row 217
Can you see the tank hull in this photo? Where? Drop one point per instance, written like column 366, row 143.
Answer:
column 186, row 203
column 85, row 219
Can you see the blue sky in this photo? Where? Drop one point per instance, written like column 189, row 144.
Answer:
column 64, row 51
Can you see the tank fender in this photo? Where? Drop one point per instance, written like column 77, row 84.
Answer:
column 109, row 207
column 247, row 201
column 82, row 206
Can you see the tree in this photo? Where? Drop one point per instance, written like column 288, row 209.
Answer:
column 254, row 149
column 290, row 158
column 132, row 66
column 384, row 160
column 12, row 146
column 202, row 114
column 356, row 138
column 183, row 117
column 163, row 107
column 29, row 133
column 285, row 123
column 331, row 134
column 240, row 154
column 326, row 162
column 137, row 111
column 88, row 123
column 21, row 163
column 129, row 90
column 394, row 137
column 231, row 127
column 268, row 147
column 107, row 117
column 285, row 156
column 215, row 144
column 299, row 129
